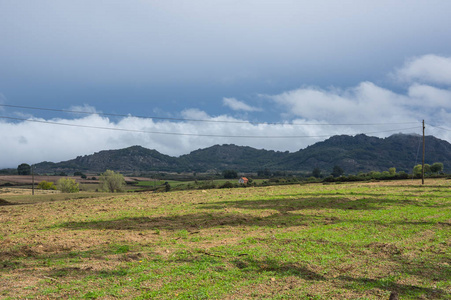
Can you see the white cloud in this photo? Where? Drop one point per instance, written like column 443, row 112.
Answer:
column 427, row 68
column 194, row 114
column 238, row 105
column 365, row 103
column 33, row 142
column 429, row 96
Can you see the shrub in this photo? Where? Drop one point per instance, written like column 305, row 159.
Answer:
column 226, row 185
column 45, row 185
column 403, row 175
column 67, row 185
column 111, row 181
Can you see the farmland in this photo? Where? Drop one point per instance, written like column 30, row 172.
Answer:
column 314, row 241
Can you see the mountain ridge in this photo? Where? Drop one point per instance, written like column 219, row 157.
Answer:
column 360, row 153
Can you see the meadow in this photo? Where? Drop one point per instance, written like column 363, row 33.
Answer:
column 360, row 240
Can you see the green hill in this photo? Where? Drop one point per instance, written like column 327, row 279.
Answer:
column 354, row 154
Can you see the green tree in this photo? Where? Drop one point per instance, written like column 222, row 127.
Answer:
column 67, row 185
column 392, row 171
column 111, row 181
column 316, row 172
column 78, row 173
column 24, row 169
column 46, row 185
column 437, row 167
column 229, row 174
column 264, row 173
column 337, row 171
column 375, row 174
column 418, row 169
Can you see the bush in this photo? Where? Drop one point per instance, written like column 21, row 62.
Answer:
column 227, row 185
column 67, row 185
column 45, row 185
column 111, row 181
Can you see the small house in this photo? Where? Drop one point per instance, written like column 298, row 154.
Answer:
column 243, row 180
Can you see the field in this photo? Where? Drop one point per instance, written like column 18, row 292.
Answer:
column 193, row 184
column 336, row 241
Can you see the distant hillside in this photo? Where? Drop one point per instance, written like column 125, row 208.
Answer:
column 244, row 159
column 360, row 153
column 132, row 159
column 364, row 153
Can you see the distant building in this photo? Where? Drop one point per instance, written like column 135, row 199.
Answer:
column 243, row 180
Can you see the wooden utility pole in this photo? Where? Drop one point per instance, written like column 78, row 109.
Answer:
column 32, row 180
column 422, row 172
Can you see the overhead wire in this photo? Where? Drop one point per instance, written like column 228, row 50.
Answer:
column 189, row 134
column 201, row 120
column 439, row 127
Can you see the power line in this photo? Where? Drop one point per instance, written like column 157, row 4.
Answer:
column 201, row 120
column 438, row 127
column 188, row 134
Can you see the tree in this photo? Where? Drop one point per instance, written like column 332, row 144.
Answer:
column 264, row 173
column 67, row 185
column 418, row 169
column 437, row 167
column 46, row 185
column 24, row 169
column 316, row 172
column 111, row 181
column 337, row 171
column 78, row 173
column 230, row 174
column 392, row 171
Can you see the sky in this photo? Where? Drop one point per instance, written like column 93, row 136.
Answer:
column 177, row 76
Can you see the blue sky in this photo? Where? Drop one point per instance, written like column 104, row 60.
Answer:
column 286, row 62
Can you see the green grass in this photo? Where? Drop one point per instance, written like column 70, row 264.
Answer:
column 183, row 185
column 337, row 241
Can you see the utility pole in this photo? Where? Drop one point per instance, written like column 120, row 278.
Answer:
column 422, row 172
column 32, row 180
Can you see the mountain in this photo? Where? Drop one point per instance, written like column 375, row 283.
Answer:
column 354, row 154
column 245, row 159
column 128, row 160
column 363, row 153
